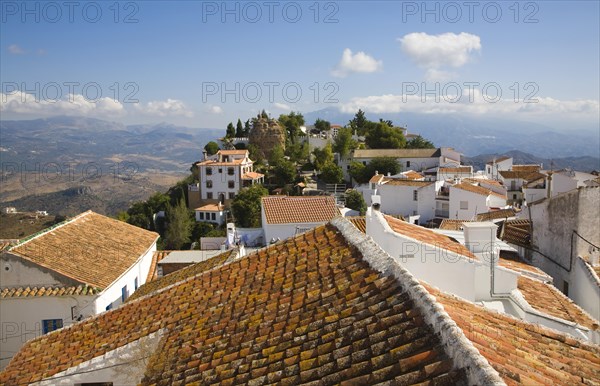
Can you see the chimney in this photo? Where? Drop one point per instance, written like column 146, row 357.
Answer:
column 376, row 202
column 204, row 155
column 480, row 238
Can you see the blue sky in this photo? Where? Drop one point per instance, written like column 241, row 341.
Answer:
column 175, row 61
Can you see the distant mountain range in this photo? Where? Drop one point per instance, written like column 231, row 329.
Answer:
column 80, row 141
column 483, row 135
column 584, row 164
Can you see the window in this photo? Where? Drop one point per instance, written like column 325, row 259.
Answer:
column 209, row 171
column 209, row 195
column 220, row 170
column 407, row 164
column 231, row 184
column 565, row 287
column 489, row 170
column 464, row 205
column 347, row 167
column 415, row 195
column 209, row 184
column 109, row 307
column 201, row 215
column 514, row 196
column 49, row 325
column 365, row 163
column 213, row 216
column 230, row 171
column 135, row 284
column 231, row 196
column 124, row 293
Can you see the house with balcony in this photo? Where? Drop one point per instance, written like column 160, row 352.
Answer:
column 79, row 268
column 221, row 177
column 495, row 166
column 466, row 200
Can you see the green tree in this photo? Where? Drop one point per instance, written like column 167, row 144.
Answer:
column 239, row 129
column 355, row 200
column 255, row 154
column 246, row 206
column 322, row 125
column 323, row 156
column 360, row 123
column 298, row 152
column 292, row 122
column 419, row 142
column 382, row 136
column 247, row 128
column 344, row 143
column 230, row 131
column 179, row 226
column 211, row 148
column 358, row 172
column 384, row 165
column 284, row 173
column 276, row 156
column 331, row 173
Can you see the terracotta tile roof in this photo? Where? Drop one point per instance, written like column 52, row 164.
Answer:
column 496, row 214
column 516, row 232
column 521, row 352
column 405, row 182
column 524, row 175
column 461, row 169
column 90, row 248
column 491, row 162
column 294, row 209
column 477, row 189
column 359, row 222
column 309, row 310
column 513, row 261
column 211, row 208
column 548, row 299
column 376, row 178
column 396, row 153
column 21, row 292
column 233, row 152
column 217, row 163
column 526, row 168
column 182, row 274
column 428, row 236
column 252, row 176
column 453, row 224
column 412, row 175
column 157, row 256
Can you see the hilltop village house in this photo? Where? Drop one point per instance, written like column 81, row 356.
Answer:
column 72, row 271
column 220, row 179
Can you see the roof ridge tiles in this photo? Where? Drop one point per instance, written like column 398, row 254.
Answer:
column 456, row 344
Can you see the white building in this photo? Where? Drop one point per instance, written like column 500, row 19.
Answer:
column 409, row 159
column 285, row 216
column 403, row 196
column 79, row 268
column 494, row 167
column 466, row 200
column 505, row 286
column 457, row 172
column 214, row 213
column 221, row 177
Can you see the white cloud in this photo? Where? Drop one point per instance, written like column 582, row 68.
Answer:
column 359, row 62
column 169, row 107
column 15, row 50
column 282, row 106
column 435, row 51
column 215, row 110
column 435, row 75
column 71, row 104
column 474, row 102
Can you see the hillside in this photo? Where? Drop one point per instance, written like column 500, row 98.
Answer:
column 584, row 164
